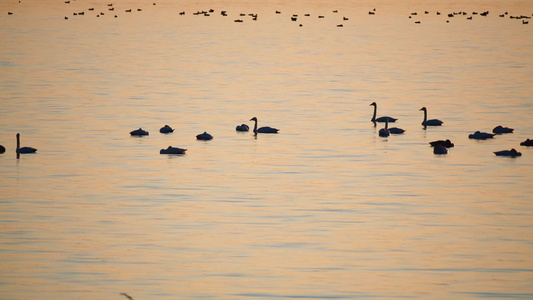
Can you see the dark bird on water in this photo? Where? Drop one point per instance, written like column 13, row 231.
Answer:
column 23, row 150
column 431, row 122
column 527, row 143
column 444, row 143
column 510, row 153
column 265, row 129
column 380, row 119
column 500, row 129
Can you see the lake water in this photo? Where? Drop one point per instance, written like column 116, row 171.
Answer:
column 326, row 209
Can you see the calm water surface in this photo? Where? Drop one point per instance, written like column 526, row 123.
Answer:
column 325, row 209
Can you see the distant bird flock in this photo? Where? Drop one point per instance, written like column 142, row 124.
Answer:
column 295, row 17
column 439, row 147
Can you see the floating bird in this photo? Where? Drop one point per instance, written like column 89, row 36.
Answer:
column 500, row 129
column 380, row 119
column 511, row 153
column 265, row 129
column 172, row 150
column 166, row 129
column 23, row 150
column 432, row 122
column 444, row 143
column 384, row 132
column 480, row 135
column 242, row 127
column 527, row 143
column 396, row 130
column 204, row 136
column 2, row 149
column 139, row 132
column 439, row 149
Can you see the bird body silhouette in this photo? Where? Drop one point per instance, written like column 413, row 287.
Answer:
column 380, row 119
column 172, row 150
column 23, row 150
column 265, row 129
column 432, row 122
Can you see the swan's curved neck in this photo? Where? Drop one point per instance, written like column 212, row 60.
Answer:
column 375, row 112
column 255, row 126
column 425, row 115
column 18, row 142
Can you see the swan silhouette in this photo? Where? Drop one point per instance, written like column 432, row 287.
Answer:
column 242, row 127
column 166, row 129
column 440, row 149
column 2, row 149
column 24, row 150
column 172, row 150
column 384, row 132
column 265, row 129
column 480, row 135
column 432, row 122
column 444, row 143
column 139, row 132
column 500, row 129
column 204, row 136
column 396, row 130
column 511, row 153
column 527, row 143
column 380, row 119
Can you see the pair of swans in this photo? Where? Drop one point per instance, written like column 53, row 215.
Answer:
column 385, row 132
column 265, row 129
column 425, row 122
column 142, row 132
column 440, row 146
